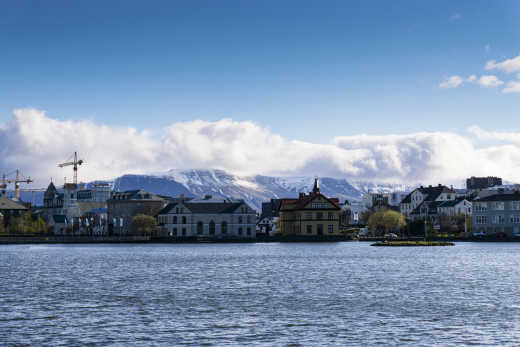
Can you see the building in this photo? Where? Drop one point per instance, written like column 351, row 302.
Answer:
column 123, row 206
column 423, row 202
column 375, row 200
column 395, row 198
column 497, row 214
column 477, row 183
column 352, row 213
column 269, row 218
column 459, row 206
column 10, row 209
column 207, row 219
column 310, row 214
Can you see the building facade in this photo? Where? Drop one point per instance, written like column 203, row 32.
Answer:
column 207, row 219
column 123, row 206
column 423, row 202
column 311, row 214
column 497, row 214
column 476, row 183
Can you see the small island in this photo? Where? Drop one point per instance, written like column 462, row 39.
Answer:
column 412, row 243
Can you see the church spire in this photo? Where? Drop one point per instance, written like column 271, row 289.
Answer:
column 316, row 188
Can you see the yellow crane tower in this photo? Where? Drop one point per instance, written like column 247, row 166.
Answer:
column 16, row 182
column 75, row 163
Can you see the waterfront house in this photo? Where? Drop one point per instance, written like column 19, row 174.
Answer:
column 497, row 214
column 10, row 208
column 423, row 202
column 310, row 214
column 216, row 219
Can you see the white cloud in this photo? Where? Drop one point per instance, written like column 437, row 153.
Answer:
column 35, row 143
column 489, row 81
column 512, row 87
column 509, row 65
column 452, row 82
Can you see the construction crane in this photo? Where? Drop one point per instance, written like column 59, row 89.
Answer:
column 75, row 163
column 16, row 182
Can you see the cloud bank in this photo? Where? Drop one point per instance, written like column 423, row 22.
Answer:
column 35, row 143
column 507, row 66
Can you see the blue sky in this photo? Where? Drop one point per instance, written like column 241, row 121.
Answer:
column 308, row 70
column 391, row 91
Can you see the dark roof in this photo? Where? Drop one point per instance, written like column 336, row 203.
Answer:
column 407, row 199
column 138, row 194
column 205, row 207
column 8, row 204
column 295, row 204
column 450, row 203
column 59, row 218
column 433, row 192
column 500, row 197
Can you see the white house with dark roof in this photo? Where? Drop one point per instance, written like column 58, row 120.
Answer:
column 207, row 219
column 423, row 202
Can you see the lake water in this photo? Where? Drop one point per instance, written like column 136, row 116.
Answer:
column 259, row 294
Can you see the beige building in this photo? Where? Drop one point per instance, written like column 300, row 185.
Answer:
column 311, row 214
column 207, row 219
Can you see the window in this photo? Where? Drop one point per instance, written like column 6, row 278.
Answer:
column 174, row 219
column 239, row 231
column 331, row 228
column 176, row 210
column 200, row 228
column 175, row 231
column 481, row 219
column 309, row 229
column 223, row 227
column 480, row 207
column 212, row 228
column 319, row 215
column 248, row 231
column 498, row 219
column 183, row 231
column 498, row 205
column 320, row 229
column 240, row 220
column 515, row 219
column 515, row 205
column 183, row 219
column 331, row 216
column 309, row 215
column 325, row 205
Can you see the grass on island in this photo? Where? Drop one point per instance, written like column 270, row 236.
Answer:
column 412, row 243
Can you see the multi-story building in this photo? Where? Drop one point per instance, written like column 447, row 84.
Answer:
column 311, row 214
column 207, row 219
column 496, row 214
column 10, row 209
column 123, row 206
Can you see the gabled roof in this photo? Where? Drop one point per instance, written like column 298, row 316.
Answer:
column 500, row 197
column 298, row 204
column 433, row 192
column 205, row 207
column 8, row 204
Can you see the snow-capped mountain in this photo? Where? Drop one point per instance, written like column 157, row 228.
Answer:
column 252, row 189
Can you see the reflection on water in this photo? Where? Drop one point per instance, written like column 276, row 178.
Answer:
column 264, row 294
